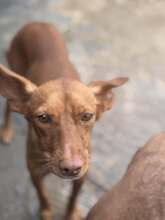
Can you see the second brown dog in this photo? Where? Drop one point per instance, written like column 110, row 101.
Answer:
column 140, row 194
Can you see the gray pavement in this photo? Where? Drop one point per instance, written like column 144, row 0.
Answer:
column 106, row 38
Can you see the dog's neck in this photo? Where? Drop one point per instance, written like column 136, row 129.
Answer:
column 43, row 70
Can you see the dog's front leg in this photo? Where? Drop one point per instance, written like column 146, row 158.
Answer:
column 6, row 132
column 45, row 206
column 73, row 213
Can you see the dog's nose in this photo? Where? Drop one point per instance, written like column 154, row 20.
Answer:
column 70, row 168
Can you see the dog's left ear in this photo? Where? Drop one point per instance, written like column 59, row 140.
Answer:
column 16, row 88
column 103, row 92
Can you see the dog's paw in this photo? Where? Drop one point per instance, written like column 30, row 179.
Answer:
column 6, row 135
column 76, row 215
column 47, row 214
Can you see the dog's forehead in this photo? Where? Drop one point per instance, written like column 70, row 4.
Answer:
column 62, row 93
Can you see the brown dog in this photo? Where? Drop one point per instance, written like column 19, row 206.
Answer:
column 59, row 109
column 140, row 195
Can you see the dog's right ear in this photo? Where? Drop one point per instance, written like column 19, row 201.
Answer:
column 15, row 88
column 103, row 91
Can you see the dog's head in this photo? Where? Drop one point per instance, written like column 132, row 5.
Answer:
column 61, row 114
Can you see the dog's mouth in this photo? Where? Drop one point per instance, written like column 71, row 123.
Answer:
column 70, row 177
column 68, row 173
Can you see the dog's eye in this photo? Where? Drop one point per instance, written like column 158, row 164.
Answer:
column 44, row 118
column 86, row 116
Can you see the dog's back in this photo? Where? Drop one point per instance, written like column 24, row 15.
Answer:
column 39, row 52
column 140, row 195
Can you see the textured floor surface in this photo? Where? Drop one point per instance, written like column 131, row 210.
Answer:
column 106, row 38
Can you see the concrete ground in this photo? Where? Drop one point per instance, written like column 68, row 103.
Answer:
column 106, row 38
